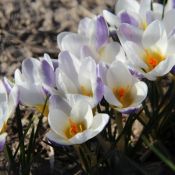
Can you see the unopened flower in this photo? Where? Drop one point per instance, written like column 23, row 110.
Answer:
column 30, row 84
column 74, row 123
column 123, row 91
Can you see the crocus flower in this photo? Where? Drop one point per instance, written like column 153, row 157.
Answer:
column 73, row 123
column 153, row 54
column 122, row 90
column 134, row 13
column 8, row 103
column 30, row 84
column 91, row 40
column 79, row 78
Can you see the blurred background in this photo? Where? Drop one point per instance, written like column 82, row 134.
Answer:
column 29, row 28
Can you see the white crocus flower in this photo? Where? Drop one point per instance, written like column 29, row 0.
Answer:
column 123, row 91
column 30, row 83
column 79, row 78
column 8, row 103
column 73, row 123
column 153, row 56
column 132, row 12
column 91, row 40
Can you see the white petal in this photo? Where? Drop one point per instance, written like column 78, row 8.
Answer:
column 169, row 5
column 69, row 64
column 99, row 122
column 139, row 91
column 81, row 112
column 110, row 51
column 168, row 22
column 171, row 46
column 72, row 98
column 161, row 69
column 60, row 37
column 155, row 35
column 118, row 75
column 157, row 8
column 110, row 98
column 128, row 32
column 31, row 95
column 145, row 5
column 134, row 53
column 7, row 84
column 56, row 139
column 65, row 83
column 73, row 43
column 87, row 74
column 58, row 120
column 111, row 18
column 102, row 71
column 31, row 70
column 56, row 101
column 19, row 78
column 127, row 5
column 83, row 25
column 13, row 101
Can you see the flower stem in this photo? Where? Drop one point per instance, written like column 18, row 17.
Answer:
column 121, row 142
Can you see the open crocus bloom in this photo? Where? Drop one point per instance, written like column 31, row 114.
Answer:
column 91, row 40
column 132, row 12
column 123, row 91
column 79, row 78
column 30, row 84
column 73, row 123
column 153, row 55
column 8, row 103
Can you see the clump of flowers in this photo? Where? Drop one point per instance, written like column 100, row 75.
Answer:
column 116, row 71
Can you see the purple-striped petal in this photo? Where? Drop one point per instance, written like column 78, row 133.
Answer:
column 48, row 73
column 127, row 18
column 101, row 32
column 2, row 141
column 99, row 89
column 7, row 84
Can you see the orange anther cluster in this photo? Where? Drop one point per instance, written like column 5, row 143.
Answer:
column 73, row 128
column 121, row 92
column 152, row 59
column 153, row 62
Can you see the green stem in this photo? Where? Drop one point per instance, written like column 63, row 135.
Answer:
column 121, row 142
column 164, row 3
column 169, row 163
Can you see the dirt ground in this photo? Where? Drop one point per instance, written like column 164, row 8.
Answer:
column 28, row 28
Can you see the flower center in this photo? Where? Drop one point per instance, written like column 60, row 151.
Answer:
column 123, row 95
column 143, row 25
column 152, row 59
column 74, row 128
column 86, row 91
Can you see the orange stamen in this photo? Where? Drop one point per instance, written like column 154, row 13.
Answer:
column 121, row 92
column 152, row 59
column 73, row 127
